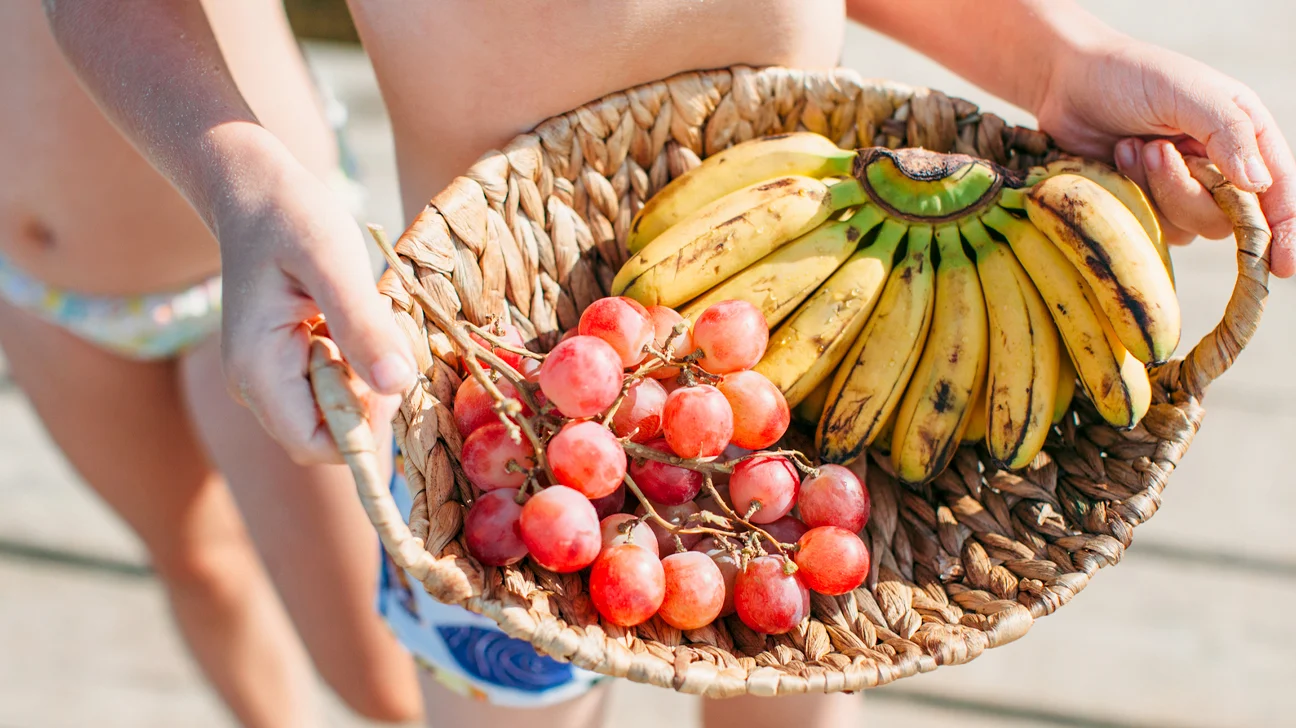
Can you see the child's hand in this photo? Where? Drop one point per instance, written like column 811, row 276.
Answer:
column 287, row 258
column 1147, row 106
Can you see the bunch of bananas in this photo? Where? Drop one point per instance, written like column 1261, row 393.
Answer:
column 916, row 300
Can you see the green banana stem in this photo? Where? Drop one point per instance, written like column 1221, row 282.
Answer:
column 923, row 186
column 1013, row 199
column 839, row 165
column 847, row 193
column 864, row 220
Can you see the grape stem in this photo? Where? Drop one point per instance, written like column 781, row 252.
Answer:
column 505, row 407
column 711, row 465
column 497, row 343
column 651, row 513
column 710, row 488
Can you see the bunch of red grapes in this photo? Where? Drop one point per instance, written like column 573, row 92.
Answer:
column 634, row 396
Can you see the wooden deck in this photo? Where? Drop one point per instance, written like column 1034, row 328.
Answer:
column 1190, row 630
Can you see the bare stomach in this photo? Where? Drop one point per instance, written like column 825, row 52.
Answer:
column 79, row 208
column 461, row 77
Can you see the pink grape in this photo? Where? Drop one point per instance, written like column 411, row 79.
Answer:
column 486, row 455
column 767, row 599
column 621, row 322
column 510, row 336
column 473, row 406
column 642, row 533
column 695, row 590
column 676, row 515
column 707, row 503
column 640, row 411
column 664, row 483
column 611, row 503
column 561, row 529
column 491, row 528
column 627, row 585
column 663, row 321
column 770, row 479
column 760, row 412
column 832, row 560
column 786, row 529
column 835, row 497
column 697, row 421
column 732, row 336
column 587, row 456
column 728, row 564
column 581, row 376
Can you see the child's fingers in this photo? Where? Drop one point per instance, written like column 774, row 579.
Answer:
column 1129, row 162
column 269, row 373
column 1279, row 201
column 1181, row 198
column 1230, row 139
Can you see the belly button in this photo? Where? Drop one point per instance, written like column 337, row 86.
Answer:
column 37, row 234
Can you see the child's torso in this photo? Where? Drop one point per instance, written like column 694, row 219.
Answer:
column 464, row 76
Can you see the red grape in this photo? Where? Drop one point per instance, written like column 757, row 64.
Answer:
column 621, row 322
column 728, row 564
column 640, row 411
column 663, row 321
column 642, row 533
column 767, row 599
column 560, row 529
column 732, row 336
column 627, row 585
column 582, row 376
column 760, row 412
column 786, row 529
column 835, row 497
column 610, row 503
column 473, row 406
column 677, row 516
column 697, row 421
column 491, row 528
column 770, row 479
column 832, row 560
column 586, row 456
column 662, row 483
column 509, row 334
column 486, row 456
column 695, row 590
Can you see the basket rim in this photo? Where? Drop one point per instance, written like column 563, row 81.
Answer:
column 457, row 225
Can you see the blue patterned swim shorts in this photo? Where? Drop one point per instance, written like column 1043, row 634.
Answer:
column 464, row 651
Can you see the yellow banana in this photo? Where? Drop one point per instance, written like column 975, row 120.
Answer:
column 744, row 164
column 1066, row 387
column 1113, row 378
column 809, row 410
column 779, row 282
column 939, row 399
column 1024, row 354
column 1105, row 242
column 724, row 237
column 1122, row 188
column 805, row 349
column 872, row 377
column 975, row 429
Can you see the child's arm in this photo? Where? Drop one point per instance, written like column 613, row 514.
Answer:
column 1101, row 93
column 288, row 251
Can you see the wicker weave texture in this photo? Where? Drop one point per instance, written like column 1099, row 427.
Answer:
column 534, row 233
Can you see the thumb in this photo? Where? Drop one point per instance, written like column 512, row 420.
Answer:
column 359, row 319
column 1229, row 136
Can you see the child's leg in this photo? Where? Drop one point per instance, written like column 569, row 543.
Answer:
column 802, row 711
column 122, row 425
column 318, row 546
column 453, row 710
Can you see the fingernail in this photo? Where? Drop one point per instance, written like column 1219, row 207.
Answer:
column 1153, row 157
column 1126, row 157
column 1257, row 172
column 392, row 373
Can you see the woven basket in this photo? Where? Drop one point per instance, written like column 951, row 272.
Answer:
column 535, row 233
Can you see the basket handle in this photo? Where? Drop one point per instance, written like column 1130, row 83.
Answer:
column 1216, row 352
column 346, row 417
